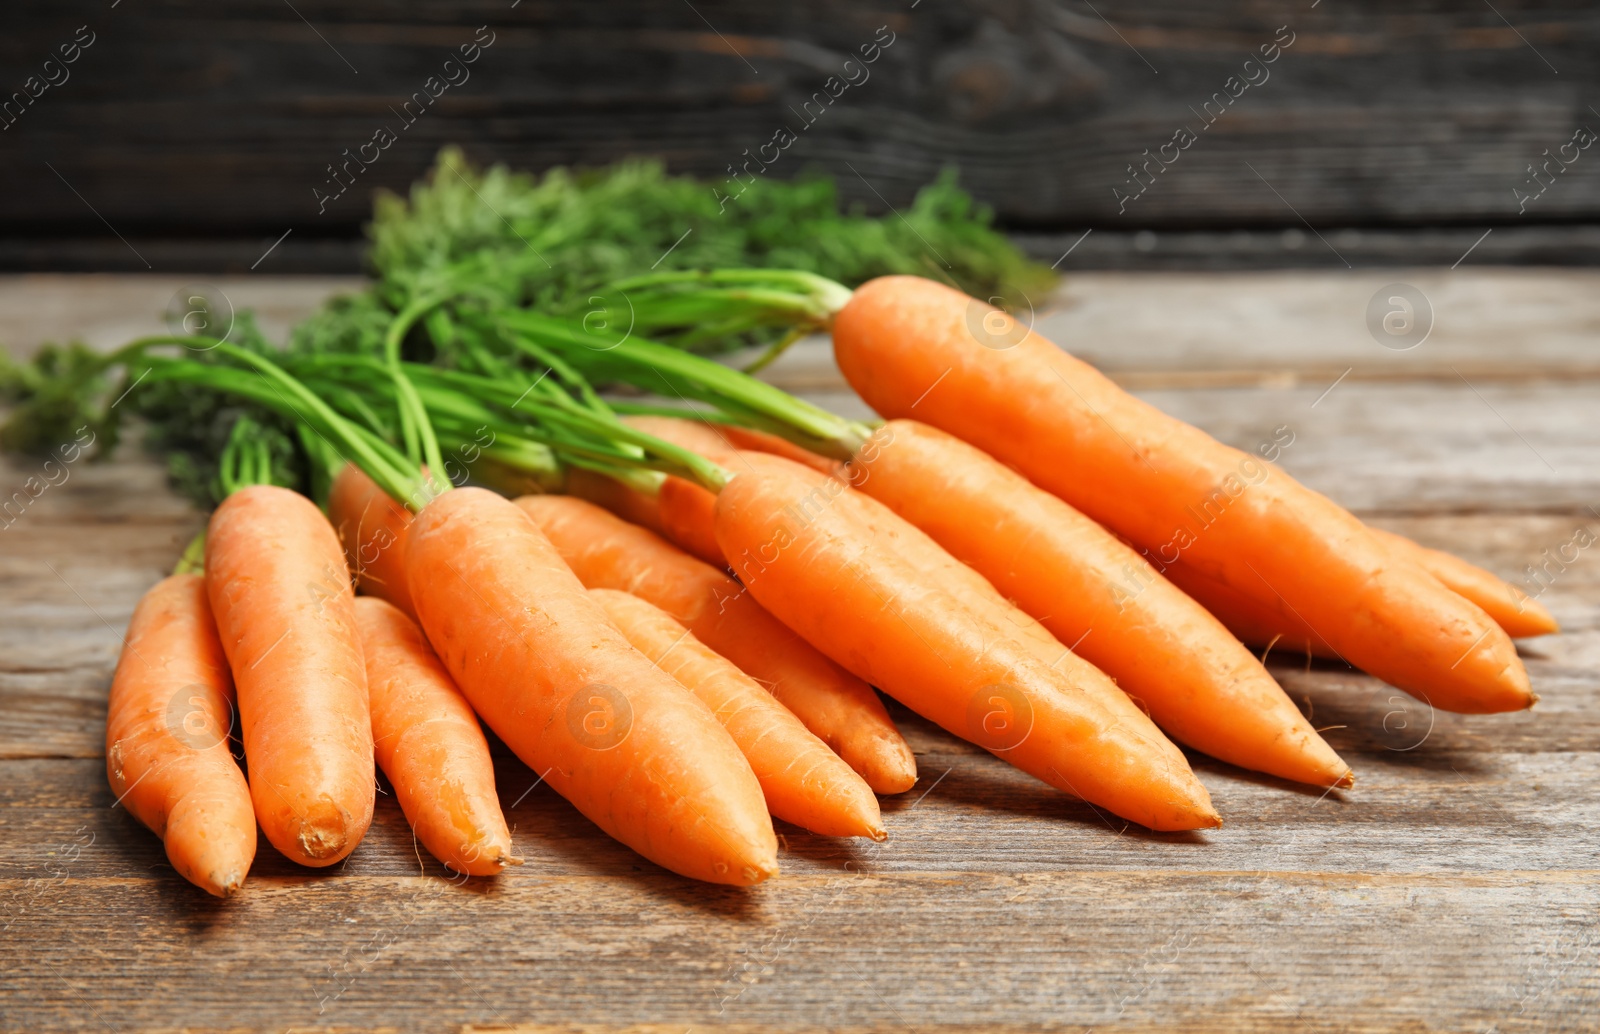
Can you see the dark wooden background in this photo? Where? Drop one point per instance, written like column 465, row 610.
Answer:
column 191, row 135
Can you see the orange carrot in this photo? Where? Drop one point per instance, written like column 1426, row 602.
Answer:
column 912, row 347
column 751, row 440
column 804, row 782
column 1262, row 623
column 636, row 507
column 706, row 439
column 685, row 522
column 167, row 738
column 692, row 505
column 1229, row 707
column 543, row 665
column 1252, row 621
column 286, row 616
column 827, row 575
column 372, row 528
column 607, row 552
column 1089, row 589
column 429, row 744
column 1512, row 609
column 687, row 518
column 685, row 513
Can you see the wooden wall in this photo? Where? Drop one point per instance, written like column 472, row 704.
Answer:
column 212, row 126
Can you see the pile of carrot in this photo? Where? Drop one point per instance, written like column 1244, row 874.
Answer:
column 689, row 641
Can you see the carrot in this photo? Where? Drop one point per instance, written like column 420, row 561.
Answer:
column 827, row 575
column 692, row 505
column 804, row 782
column 675, row 509
column 372, row 528
column 684, row 513
column 286, row 617
column 751, row 440
column 1512, row 609
column 1259, row 624
column 167, row 725
column 710, row 440
column 1089, row 589
column 1175, row 660
column 607, row 552
column 687, row 517
column 542, row 664
column 429, row 744
column 912, row 347
column 685, row 521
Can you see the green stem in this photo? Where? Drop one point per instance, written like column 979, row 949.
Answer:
column 413, row 416
column 773, row 351
column 572, row 432
column 193, row 560
column 668, row 371
column 266, row 384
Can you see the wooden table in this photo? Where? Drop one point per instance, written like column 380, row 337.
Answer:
column 1456, row 888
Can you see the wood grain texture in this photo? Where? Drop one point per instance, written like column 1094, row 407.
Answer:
column 1456, row 887
column 182, row 119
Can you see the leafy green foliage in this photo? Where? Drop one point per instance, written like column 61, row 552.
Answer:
column 472, row 249
column 546, row 241
column 55, row 395
column 64, row 389
column 192, row 427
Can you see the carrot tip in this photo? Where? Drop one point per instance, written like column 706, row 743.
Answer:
column 1347, row 780
column 324, row 834
column 888, row 784
column 879, row 834
column 756, row 874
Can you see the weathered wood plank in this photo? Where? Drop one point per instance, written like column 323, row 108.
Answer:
column 1364, row 247
column 1149, row 330
column 70, row 584
column 1408, row 447
column 1204, row 330
column 1455, row 887
column 107, row 310
column 1426, row 804
column 1401, row 447
column 1369, row 116
column 1205, row 951
column 1494, row 324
